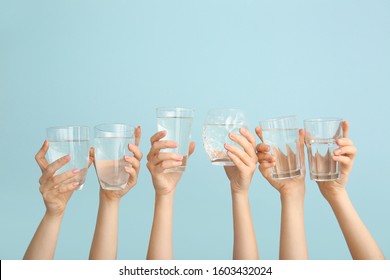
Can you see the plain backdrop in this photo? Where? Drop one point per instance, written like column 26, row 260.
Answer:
column 92, row 62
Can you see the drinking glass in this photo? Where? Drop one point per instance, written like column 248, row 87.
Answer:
column 321, row 136
column 72, row 141
column 178, row 124
column 111, row 146
column 217, row 126
column 282, row 135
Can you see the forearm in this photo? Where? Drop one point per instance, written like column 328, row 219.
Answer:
column 44, row 242
column 360, row 242
column 161, row 244
column 292, row 230
column 105, row 240
column 245, row 246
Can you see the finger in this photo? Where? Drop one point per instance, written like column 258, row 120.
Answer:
column 345, row 126
column 349, row 151
column 346, row 161
column 244, row 143
column 158, row 136
column 136, row 151
column 191, row 148
column 265, row 157
column 137, row 135
column 63, row 177
column 238, row 153
column 236, row 160
column 265, row 169
column 344, row 142
column 249, row 136
column 167, row 164
column 302, row 147
column 160, row 157
column 91, row 156
column 68, row 187
column 263, row 148
column 54, row 166
column 40, row 156
column 163, row 144
column 259, row 132
column 135, row 163
column 133, row 176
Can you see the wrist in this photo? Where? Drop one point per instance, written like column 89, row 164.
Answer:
column 109, row 201
column 54, row 214
column 295, row 193
column 336, row 196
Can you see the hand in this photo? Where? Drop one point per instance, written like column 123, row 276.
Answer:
column 345, row 156
column 56, row 190
column 293, row 186
column 245, row 161
column 133, row 170
column 164, row 182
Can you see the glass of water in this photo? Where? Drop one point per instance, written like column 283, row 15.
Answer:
column 111, row 146
column 217, row 126
column 321, row 136
column 282, row 135
column 178, row 124
column 72, row 141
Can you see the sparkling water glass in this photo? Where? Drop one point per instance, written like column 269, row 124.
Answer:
column 72, row 141
column 111, row 147
column 178, row 124
column 282, row 135
column 321, row 136
column 217, row 126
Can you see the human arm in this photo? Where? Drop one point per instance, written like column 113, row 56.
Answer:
column 292, row 193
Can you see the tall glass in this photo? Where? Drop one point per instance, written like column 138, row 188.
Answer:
column 321, row 137
column 111, row 146
column 217, row 126
column 72, row 141
column 282, row 135
column 178, row 124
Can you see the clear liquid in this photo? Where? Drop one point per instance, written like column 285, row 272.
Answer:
column 179, row 130
column 215, row 136
column 79, row 154
column 322, row 166
column 285, row 147
column 110, row 163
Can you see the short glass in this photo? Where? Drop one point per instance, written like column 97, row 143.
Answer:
column 111, row 146
column 321, row 137
column 217, row 126
column 72, row 141
column 178, row 124
column 282, row 135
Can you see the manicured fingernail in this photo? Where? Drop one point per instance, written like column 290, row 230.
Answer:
column 179, row 157
column 75, row 183
column 127, row 157
column 337, row 152
column 128, row 169
column 231, row 135
column 75, row 171
column 67, row 157
column 178, row 163
column 227, row 146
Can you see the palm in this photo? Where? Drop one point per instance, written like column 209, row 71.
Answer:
column 56, row 203
column 237, row 180
column 166, row 182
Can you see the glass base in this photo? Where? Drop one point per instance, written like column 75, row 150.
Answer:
column 175, row 169
column 113, row 187
column 324, row 177
column 286, row 175
column 80, row 187
column 222, row 162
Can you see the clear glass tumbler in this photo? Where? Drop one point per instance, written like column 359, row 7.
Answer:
column 217, row 126
column 178, row 124
column 111, row 146
column 321, row 136
column 72, row 141
column 282, row 135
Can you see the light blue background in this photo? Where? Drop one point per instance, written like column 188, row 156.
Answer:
column 91, row 62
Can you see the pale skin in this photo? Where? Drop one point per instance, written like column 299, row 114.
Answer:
column 361, row 244
column 161, row 244
column 56, row 191
column 240, row 176
column 105, row 240
column 292, row 193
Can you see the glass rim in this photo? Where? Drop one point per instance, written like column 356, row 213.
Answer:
column 319, row 120
column 225, row 109
column 127, row 126
column 181, row 109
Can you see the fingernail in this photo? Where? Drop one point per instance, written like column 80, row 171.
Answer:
column 75, row 171
column 227, row 146
column 179, row 157
column 128, row 169
column 231, row 135
column 67, row 157
column 337, row 152
column 75, row 183
column 127, row 157
column 178, row 163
